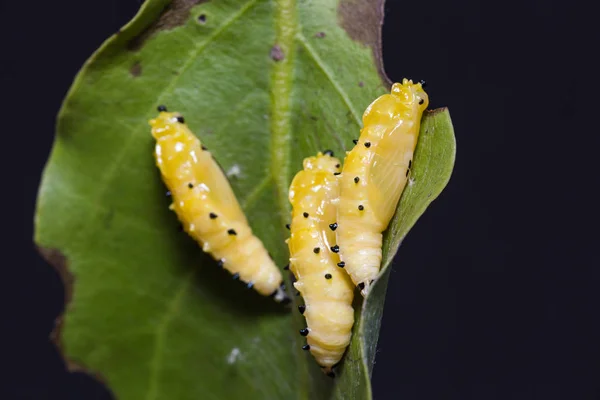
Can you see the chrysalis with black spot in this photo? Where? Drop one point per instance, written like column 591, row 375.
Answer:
column 374, row 175
column 207, row 207
column 325, row 287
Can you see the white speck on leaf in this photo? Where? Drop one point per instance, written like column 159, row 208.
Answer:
column 233, row 356
column 411, row 181
column 234, row 171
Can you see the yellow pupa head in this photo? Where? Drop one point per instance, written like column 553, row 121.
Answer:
column 323, row 161
column 411, row 93
column 404, row 97
column 167, row 123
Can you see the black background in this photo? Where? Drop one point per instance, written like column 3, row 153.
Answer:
column 495, row 292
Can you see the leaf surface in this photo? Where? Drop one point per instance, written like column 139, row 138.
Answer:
column 264, row 84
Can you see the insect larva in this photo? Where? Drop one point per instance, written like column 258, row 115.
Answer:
column 326, row 288
column 207, row 207
column 374, row 175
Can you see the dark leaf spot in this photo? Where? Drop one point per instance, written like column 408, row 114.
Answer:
column 277, row 53
column 173, row 15
column 136, row 69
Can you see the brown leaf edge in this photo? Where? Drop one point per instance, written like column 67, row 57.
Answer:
column 363, row 21
column 60, row 263
column 174, row 14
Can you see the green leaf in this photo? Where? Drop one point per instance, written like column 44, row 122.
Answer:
column 264, row 84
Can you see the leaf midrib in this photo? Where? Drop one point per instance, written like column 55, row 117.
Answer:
column 286, row 26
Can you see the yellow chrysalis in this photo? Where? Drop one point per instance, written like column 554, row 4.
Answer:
column 326, row 288
column 374, row 175
column 207, row 207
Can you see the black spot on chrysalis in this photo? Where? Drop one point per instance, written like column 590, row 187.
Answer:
column 328, row 276
column 341, row 264
column 333, row 226
column 304, row 332
column 335, row 249
column 162, row 108
column 301, row 308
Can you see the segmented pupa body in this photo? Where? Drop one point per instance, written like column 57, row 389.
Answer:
column 374, row 175
column 325, row 287
column 207, row 207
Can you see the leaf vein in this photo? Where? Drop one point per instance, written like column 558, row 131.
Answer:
column 321, row 64
column 251, row 198
column 161, row 333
